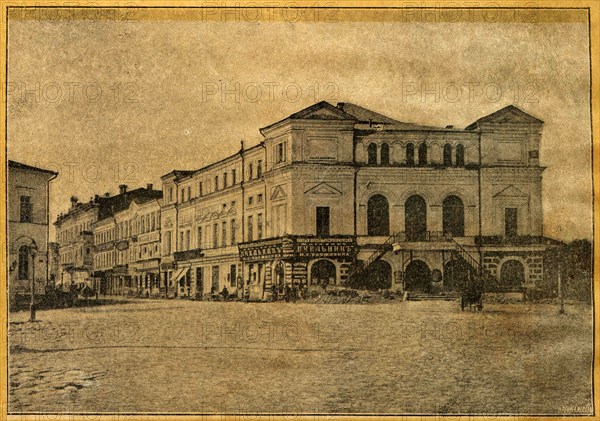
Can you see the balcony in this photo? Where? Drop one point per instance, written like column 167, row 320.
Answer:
column 179, row 256
column 419, row 237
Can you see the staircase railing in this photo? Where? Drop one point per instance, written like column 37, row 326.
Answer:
column 381, row 249
column 460, row 251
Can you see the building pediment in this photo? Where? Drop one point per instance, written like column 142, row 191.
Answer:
column 510, row 114
column 323, row 189
column 511, row 191
column 278, row 193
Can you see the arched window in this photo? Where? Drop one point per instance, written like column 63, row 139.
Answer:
column 460, row 155
column 23, row 262
column 512, row 274
column 410, row 154
column 453, row 216
column 378, row 216
column 447, row 154
column 372, row 151
column 385, row 154
column 415, row 218
column 423, row 154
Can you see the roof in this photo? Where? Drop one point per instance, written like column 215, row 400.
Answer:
column 320, row 111
column 508, row 114
column 111, row 205
column 26, row 167
column 366, row 116
column 108, row 206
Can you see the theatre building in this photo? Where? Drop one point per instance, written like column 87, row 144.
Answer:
column 341, row 195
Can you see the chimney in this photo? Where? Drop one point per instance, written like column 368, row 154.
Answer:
column 107, row 194
column 149, row 186
column 449, row 126
column 74, row 201
column 123, row 188
column 340, row 105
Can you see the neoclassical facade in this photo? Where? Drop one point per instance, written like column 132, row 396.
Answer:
column 344, row 195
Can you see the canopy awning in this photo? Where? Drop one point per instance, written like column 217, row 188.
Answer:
column 180, row 274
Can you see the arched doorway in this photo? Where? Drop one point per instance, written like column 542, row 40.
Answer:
column 415, row 218
column 417, row 276
column 23, row 263
column 512, row 274
column 378, row 216
column 453, row 216
column 323, row 272
column 456, row 274
column 378, row 276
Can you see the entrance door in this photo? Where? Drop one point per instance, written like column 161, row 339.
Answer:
column 418, row 276
column 456, row 274
column 415, row 218
column 323, row 273
column 378, row 276
column 510, row 222
column 215, row 279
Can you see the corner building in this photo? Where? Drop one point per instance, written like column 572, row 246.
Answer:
column 344, row 195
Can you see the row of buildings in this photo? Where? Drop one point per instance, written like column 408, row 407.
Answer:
column 332, row 195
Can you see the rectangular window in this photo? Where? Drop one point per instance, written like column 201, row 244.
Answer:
column 167, row 246
column 233, row 180
column 232, row 228
column 250, row 200
column 223, row 234
column 280, row 153
column 187, row 239
column 216, row 182
column 259, row 226
column 250, row 172
column 26, row 209
column 510, row 222
column 232, row 275
column 199, row 238
column 189, row 193
column 259, row 198
column 259, row 169
column 224, row 180
column 182, row 195
column 170, row 194
column 215, row 236
column 200, row 191
column 250, row 228
column 322, row 227
column 181, row 234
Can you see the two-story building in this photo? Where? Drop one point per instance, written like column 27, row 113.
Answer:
column 28, row 227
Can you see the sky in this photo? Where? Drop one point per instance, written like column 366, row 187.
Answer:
column 108, row 102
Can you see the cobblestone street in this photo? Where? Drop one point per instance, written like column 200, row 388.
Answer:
column 204, row 357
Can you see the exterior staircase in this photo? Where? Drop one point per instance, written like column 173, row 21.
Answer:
column 463, row 255
column 380, row 251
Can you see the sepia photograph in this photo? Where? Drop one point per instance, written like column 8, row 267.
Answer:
column 299, row 209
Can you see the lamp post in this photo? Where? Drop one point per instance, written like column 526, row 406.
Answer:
column 33, row 249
